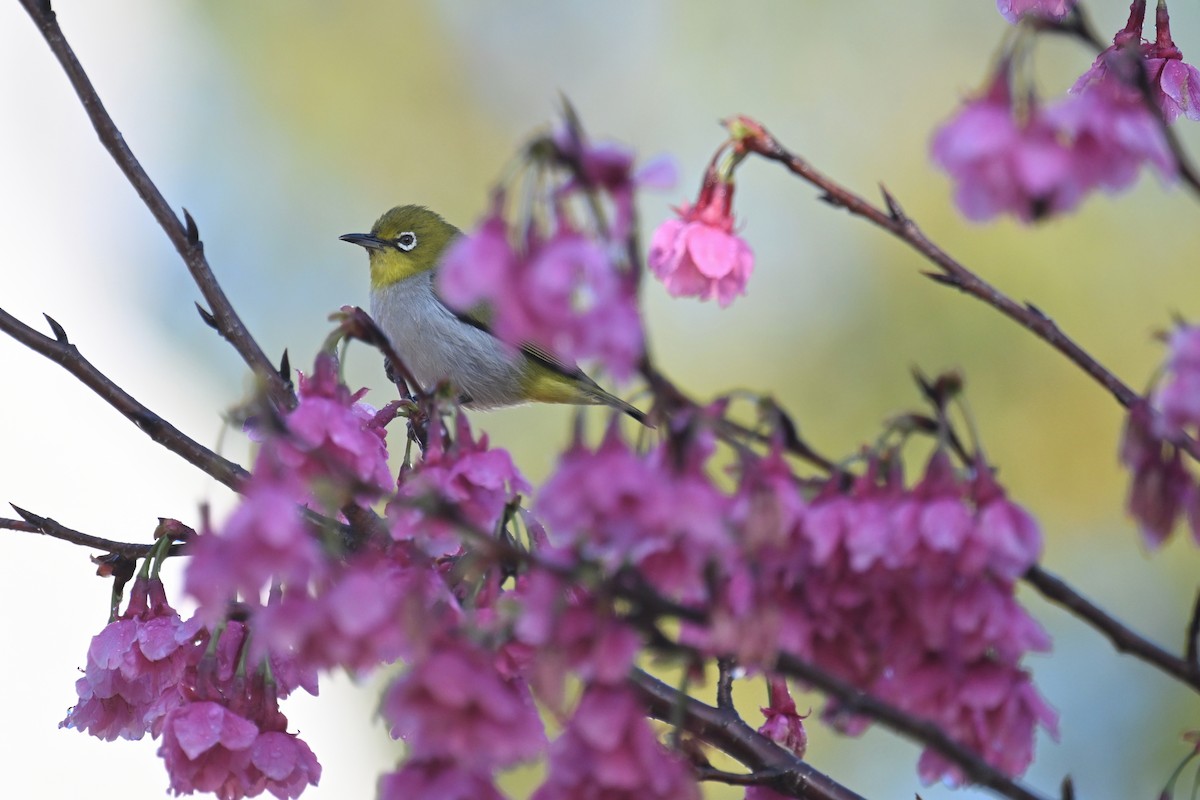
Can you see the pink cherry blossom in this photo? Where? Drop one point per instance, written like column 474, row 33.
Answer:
column 608, row 750
column 476, row 480
column 698, row 254
column 453, row 704
column 1177, row 397
column 265, row 540
column 1161, row 488
column 909, row 594
column 783, row 724
column 1004, row 160
column 656, row 512
column 135, row 668
column 608, row 166
column 1174, row 83
column 1111, row 131
column 567, row 629
column 1013, row 10
column 368, row 613
column 436, row 780
column 332, row 437
column 209, row 748
column 221, row 674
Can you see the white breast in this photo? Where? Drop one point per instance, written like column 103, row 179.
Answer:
column 436, row 345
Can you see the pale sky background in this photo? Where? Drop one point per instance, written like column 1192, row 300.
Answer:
column 284, row 123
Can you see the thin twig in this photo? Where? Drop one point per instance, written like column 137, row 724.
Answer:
column 33, row 523
column 66, row 355
column 1192, row 646
column 726, row 732
column 760, row 778
column 725, row 685
column 1124, row 639
column 183, row 233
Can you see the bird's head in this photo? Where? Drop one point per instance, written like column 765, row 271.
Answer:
column 405, row 241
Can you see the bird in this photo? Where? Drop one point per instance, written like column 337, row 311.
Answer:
column 405, row 247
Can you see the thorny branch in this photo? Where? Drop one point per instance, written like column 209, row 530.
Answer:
column 62, row 352
column 184, row 234
column 33, row 523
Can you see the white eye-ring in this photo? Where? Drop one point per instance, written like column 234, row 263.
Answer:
column 406, row 241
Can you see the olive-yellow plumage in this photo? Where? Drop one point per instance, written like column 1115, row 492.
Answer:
column 404, row 247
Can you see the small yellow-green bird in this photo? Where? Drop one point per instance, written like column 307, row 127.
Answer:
column 405, row 246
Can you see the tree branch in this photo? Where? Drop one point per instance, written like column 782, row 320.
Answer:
column 183, row 234
column 1123, row 638
column 33, row 523
column 927, row 733
column 66, row 355
column 725, row 731
column 1191, row 645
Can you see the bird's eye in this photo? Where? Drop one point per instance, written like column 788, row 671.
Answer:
column 406, row 241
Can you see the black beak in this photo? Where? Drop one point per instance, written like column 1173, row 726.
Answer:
column 364, row 240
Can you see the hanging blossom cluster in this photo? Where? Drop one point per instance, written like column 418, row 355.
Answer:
column 906, row 593
column 561, row 286
column 494, row 610
column 1009, row 153
column 909, row 594
column 1162, row 489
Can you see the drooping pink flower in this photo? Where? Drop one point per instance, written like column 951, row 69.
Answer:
column 135, row 668
column 367, row 613
column 1161, row 487
column 1008, row 535
column 453, row 704
column 1005, row 160
column 230, row 738
column 437, row 780
column 475, row 480
column 1013, row 10
column 566, row 629
column 563, row 294
column 209, row 748
column 1110, row 129
column 332, row 437
column 609, row 750
column 1176, row 84
column 608, row 166
column 783, row 724
column 265, row 540
column 699, row 254
column 1177, row 397
column 909, row 593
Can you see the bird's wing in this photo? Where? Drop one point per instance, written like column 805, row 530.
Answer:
column 479, row 318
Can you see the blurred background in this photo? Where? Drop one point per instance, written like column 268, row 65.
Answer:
column 281, row 124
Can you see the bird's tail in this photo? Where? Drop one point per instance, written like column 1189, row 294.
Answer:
column 603, row 398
